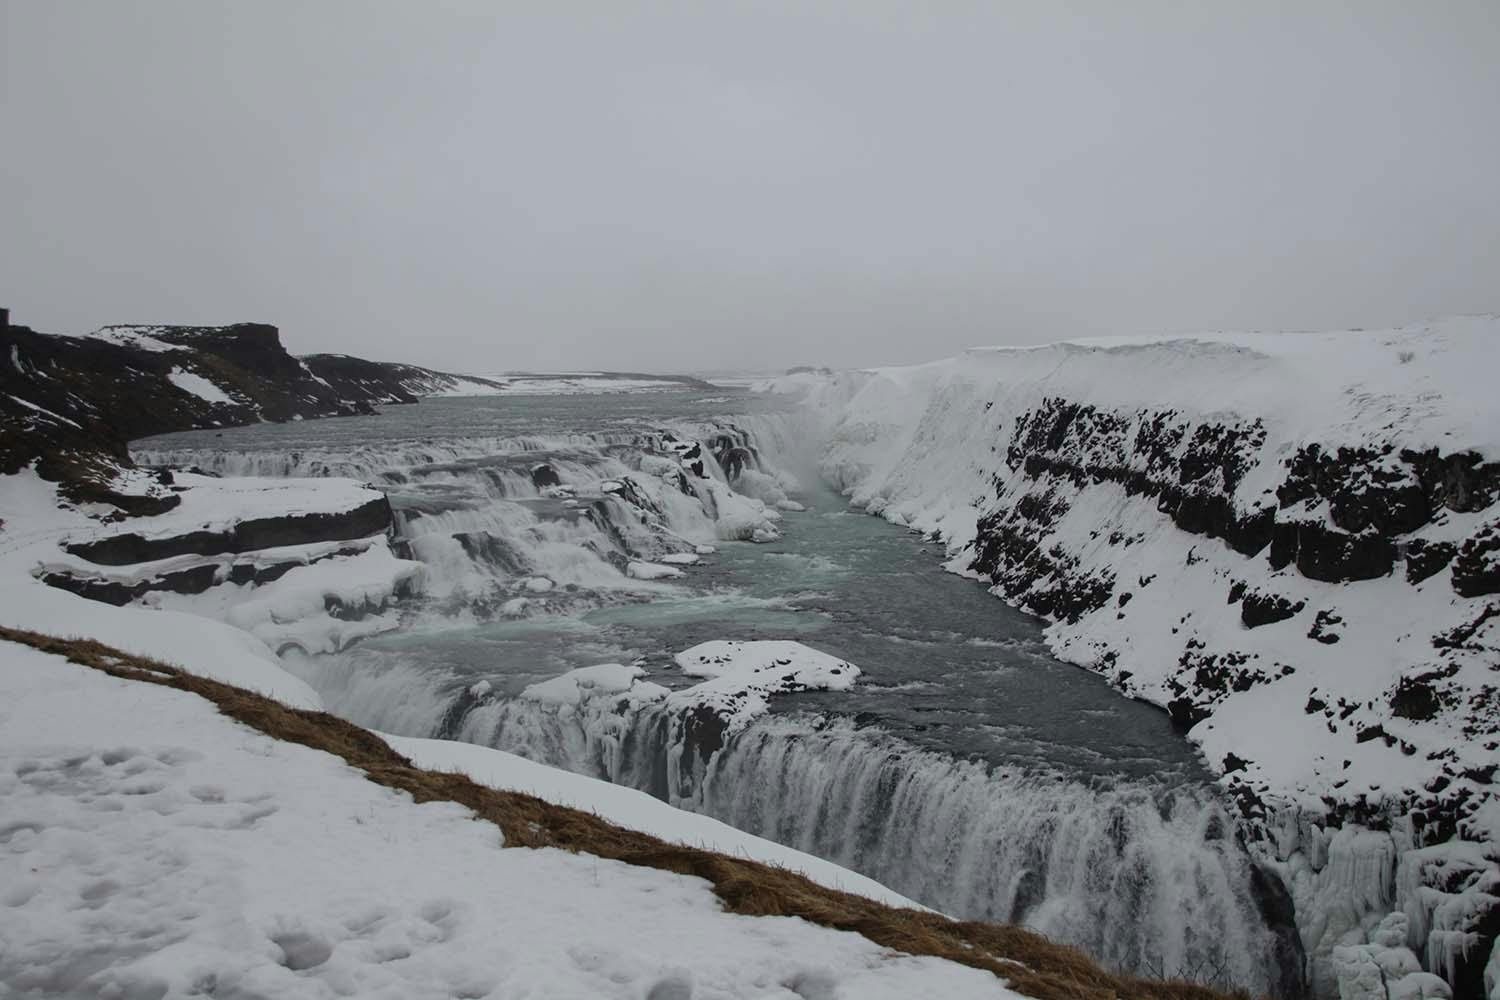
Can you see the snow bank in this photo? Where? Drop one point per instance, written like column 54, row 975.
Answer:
column 182, row 853
column 323, row 602
column 631, row 809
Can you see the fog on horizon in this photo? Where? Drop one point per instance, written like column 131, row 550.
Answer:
column 644, row 186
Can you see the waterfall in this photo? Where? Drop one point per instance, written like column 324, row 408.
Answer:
column 1145, row 877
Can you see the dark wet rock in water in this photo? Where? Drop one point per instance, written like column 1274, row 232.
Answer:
column 544, row 475
column 703, row 732
column 1279, row 912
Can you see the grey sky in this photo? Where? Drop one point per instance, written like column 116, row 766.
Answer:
column 711, row 185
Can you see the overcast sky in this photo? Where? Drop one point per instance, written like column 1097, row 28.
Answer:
column 480, row 186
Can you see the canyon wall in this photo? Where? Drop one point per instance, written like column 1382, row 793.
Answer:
column 1287, row 541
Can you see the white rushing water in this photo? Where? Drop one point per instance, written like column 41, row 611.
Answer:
column 1134, row 859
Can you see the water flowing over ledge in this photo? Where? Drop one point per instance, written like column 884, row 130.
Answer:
column 517, row 530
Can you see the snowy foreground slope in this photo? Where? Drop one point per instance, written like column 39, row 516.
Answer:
column 154, row 848
column 1289, row 541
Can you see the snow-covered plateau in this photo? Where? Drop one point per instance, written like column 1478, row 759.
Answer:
column 1288, row 541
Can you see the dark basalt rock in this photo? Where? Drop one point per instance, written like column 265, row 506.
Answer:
column 193, row 580
column 85, row 397
column 367, row 384
column 1476, row 569
column 544, row 475
column 126, row 549
column 1416, row 698
column 1324, row 628
column 1260, row 609
column 1321, row 553
column 1184, row 715
column 626, row 490
column 1279, row 913
column 733, row 451
column 703, row 732
column 188, row 581
column 1043, row 581
column 1425, row 559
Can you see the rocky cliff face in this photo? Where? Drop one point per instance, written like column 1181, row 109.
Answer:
column 1291, row 543
column 70, row 404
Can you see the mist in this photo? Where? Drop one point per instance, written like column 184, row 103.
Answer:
column 479, row 186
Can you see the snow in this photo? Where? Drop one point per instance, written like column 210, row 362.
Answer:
column 925, row 447
column 742, row 676
column 156, row 848
column 573, row 383
column 211, row 503
column 631, row 809
column 651, row 571
column 294, row 610
column 138, row 337
column 180, row 630
column 552, row 384
column 197, row 385
column 581, row 683
column 44, row 411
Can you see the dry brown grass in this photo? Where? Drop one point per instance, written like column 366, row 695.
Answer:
column 1029, row 963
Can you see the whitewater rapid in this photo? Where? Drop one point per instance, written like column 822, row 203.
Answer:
column 1144, row 873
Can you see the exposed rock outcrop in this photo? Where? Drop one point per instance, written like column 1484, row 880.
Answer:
column 70, row 404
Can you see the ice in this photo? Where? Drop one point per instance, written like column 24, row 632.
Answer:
column 652, row 571
column 581, row 683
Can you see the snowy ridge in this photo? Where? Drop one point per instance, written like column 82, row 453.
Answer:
column 1289, row 540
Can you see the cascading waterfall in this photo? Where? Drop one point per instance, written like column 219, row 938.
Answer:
column 1144, row 877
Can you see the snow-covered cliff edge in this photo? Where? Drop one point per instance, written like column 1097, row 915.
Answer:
column 1289, row 541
